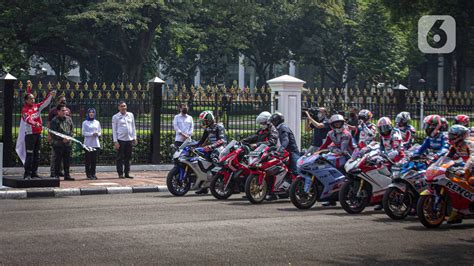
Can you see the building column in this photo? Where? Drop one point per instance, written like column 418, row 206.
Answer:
column 241, row 71
column 288, row 89
column 292, row 68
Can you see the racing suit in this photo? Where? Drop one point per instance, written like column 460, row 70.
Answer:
column 408, row 133
column 392, row 145
column 438, row 145
column 339, row 145
column 365, row 134
column 267, row 136
column 31, row 115
column 288, row 143
column 213, row 137
column 465, row 153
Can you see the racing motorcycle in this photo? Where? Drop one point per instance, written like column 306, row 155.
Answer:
column 231, row 171
column 270, row 174
column 368, row 176
column 192, row 169
column 408, row 181
column 317, row 179
column 446, row 189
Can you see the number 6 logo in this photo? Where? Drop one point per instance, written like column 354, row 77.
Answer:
column 436, row 34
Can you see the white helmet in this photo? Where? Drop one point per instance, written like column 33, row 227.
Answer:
column 262, row 119
column 336, row 122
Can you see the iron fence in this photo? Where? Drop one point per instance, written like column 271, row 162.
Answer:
column 234, row 107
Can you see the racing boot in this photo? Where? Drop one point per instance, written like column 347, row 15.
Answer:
column 454, row 217
column 329, row 203
column 378, row 207
column 202, row 191
column 271, row 197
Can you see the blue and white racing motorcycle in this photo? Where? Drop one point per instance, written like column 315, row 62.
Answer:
column 317, row 179
column 192, row 169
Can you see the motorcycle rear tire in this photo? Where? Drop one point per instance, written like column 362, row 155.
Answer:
column 420, row 208
column 224, row 194
column 387, row 203
column 298, row 185
column 173, row 175
column 343, row 194
column 251, row 185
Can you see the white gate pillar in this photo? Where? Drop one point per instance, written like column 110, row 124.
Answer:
column 289, row 90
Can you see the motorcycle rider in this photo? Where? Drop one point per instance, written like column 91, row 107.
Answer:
column 461, row 150
column 366, row 131
column 287, row 142
column 213, row 137
column 287, row 139
column 390, row 143
column 339, row 142
column 435, row 140
column 402, row 122
column 267, row 134
column 390, row 139
column 464, row 121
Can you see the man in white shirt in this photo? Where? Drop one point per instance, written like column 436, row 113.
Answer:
column 183, row 125
column 124, row 134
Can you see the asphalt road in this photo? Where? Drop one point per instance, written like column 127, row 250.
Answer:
column 157, row 228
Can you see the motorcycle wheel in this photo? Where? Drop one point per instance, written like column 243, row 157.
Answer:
column 396, row 203
column 175, row 186
column 255, row 193
column 428, row 217
column 300, row 198
column 349, row 200
column 217, row 188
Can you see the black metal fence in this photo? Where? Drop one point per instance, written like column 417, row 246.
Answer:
column 234, row 107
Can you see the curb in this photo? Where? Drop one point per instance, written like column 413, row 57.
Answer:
column 100, row 169
column 66, row 192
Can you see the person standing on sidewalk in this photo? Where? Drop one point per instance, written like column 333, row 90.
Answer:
column 31, row 128
column 62, row 147
column 91, row 131
column 183, row 125
column 53, row 112
column 124, row 135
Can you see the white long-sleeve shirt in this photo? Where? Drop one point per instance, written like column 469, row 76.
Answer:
column 123, row 127
column 183, row 124
column 88, row 129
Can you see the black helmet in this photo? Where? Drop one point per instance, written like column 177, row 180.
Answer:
column 277, row 118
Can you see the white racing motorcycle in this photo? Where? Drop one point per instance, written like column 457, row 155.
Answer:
column 368, row 176
column 192, row 169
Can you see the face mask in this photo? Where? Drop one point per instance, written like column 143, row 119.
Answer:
column 320, row 116
column 263, row 126
column 353, row 116
column 184, row 111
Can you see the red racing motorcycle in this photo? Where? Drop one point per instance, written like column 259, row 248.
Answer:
column 270, row 174
column 231, row 172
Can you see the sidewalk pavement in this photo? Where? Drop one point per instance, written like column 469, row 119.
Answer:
column 106, row 183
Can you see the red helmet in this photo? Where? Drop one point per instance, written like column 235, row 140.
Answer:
column 385, row 126
column 462, row 120
column 432, row 125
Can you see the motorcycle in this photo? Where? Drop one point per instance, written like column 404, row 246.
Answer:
column 270, row 173
column 318, row 180
column 368, row 176
column 401, row 196
column 446, row 190
column 231, row 171
column 192, row 169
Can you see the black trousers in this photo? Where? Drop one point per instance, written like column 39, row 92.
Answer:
column 177, row 144
column 91, row 162
column 124, row 156
column 63, row 155
column 32, row 143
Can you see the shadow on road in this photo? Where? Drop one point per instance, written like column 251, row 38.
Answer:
column 409, row 219
column 317, row 208
column 246, row 202
column 364, row 213
column 443, row 227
